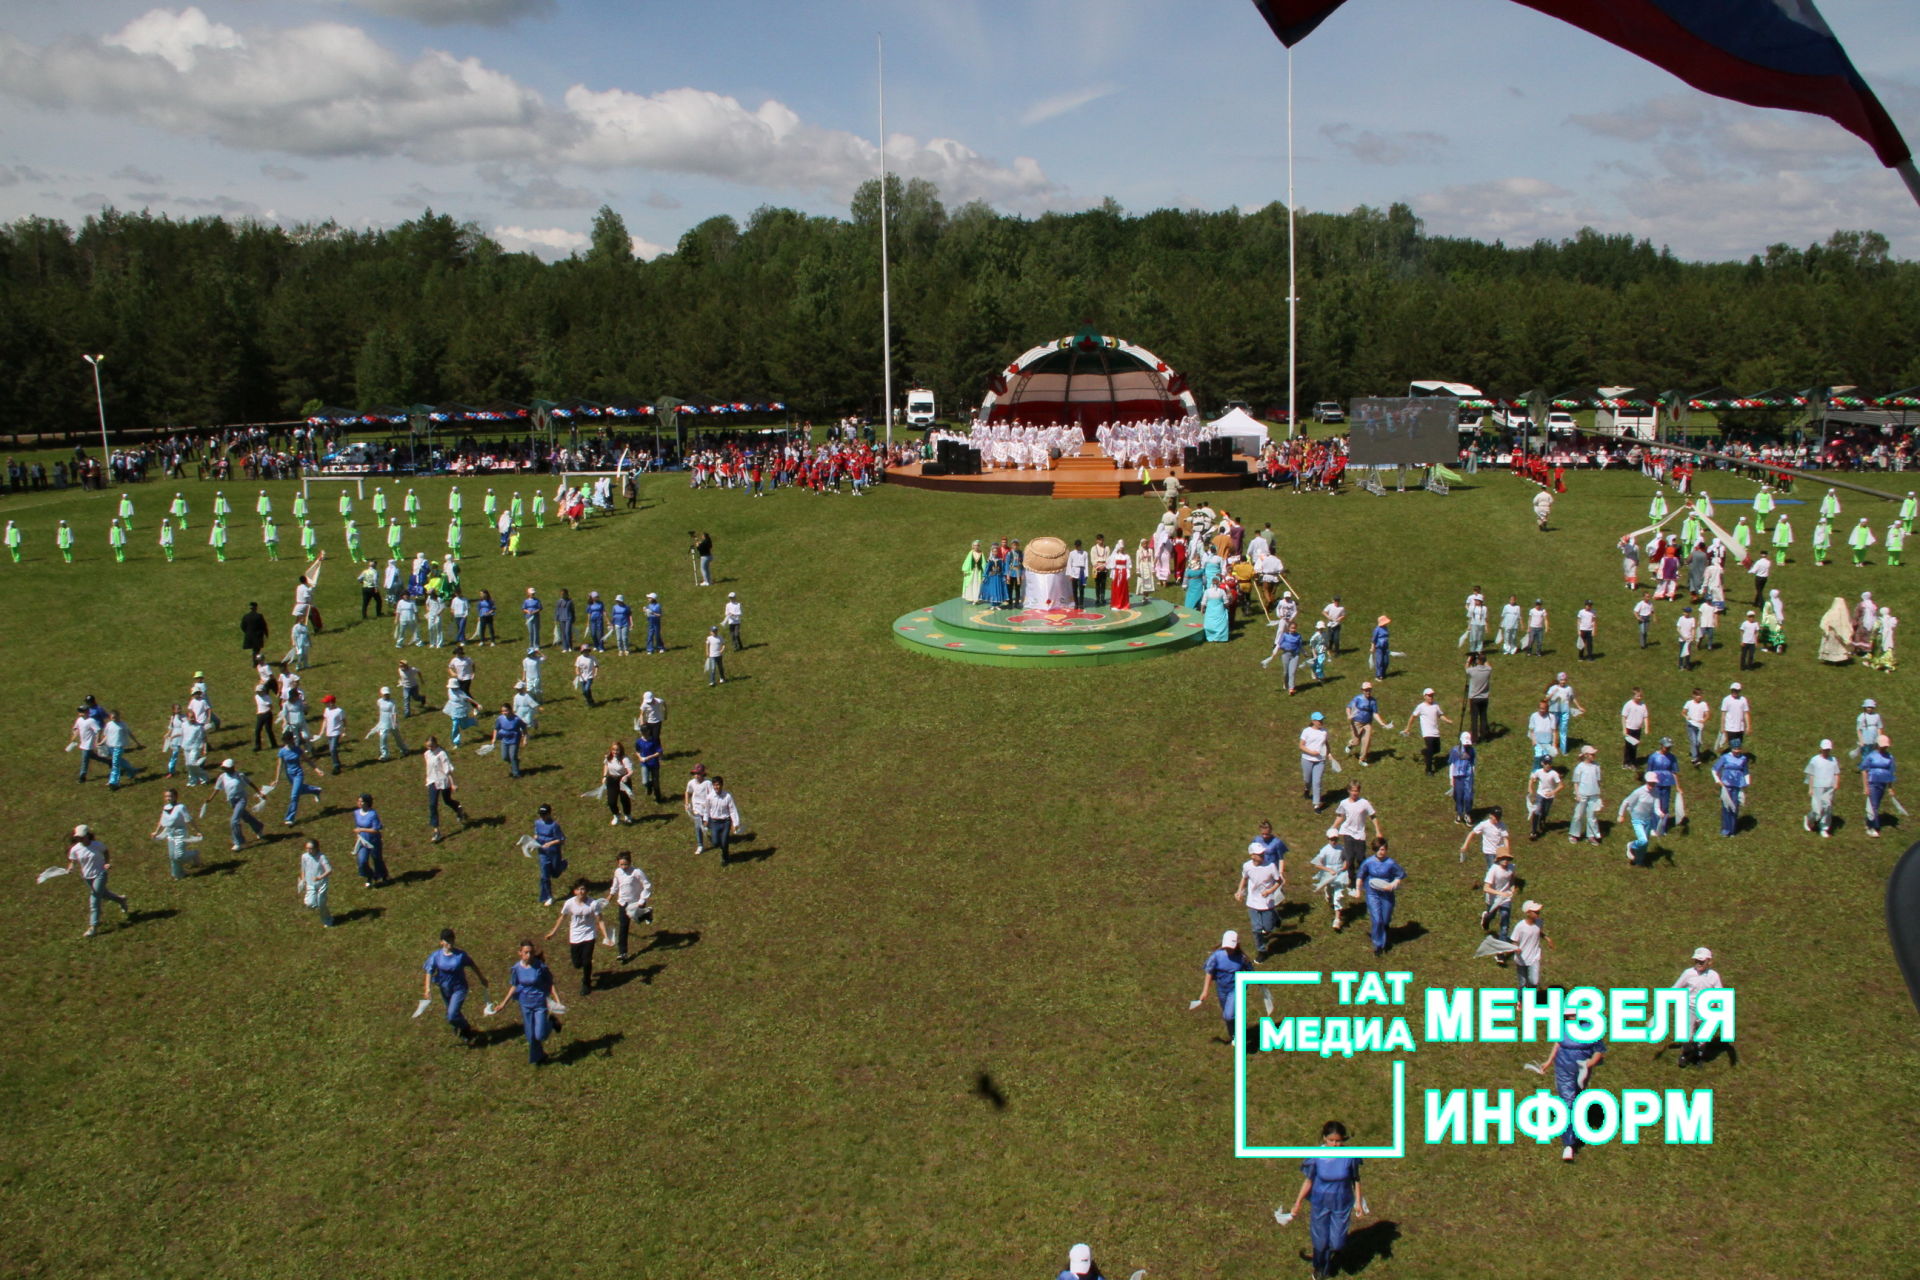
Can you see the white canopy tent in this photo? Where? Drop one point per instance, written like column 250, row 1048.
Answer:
column 1248, row 433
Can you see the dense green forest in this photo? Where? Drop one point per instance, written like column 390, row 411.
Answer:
column 208, row 321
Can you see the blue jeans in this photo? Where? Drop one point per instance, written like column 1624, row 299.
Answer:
column 706, row 571
column 1290, row 662
column 297, row 781
column 563, row 634
column 1379, row 916
column 654, row 643
column 1502, row 910
column 96, row 890
column 373, row 866
column 597, row 634
column 455, row 998
column 1730, row 814
column 1876, row 793
column 510, row 752
column 1693, row 742
column 460, row 629
column 720, row 832
column 533, row 630
column 623, row 637
column 535, row 1023
column 1313, row 772
column 551, row 865
column 1463, row 796
column 716, row 670
column 119, row 764
column 586, row 690
column 1263, row 921
column 242, row 814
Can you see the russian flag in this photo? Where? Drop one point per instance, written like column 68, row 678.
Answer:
column 1765, row 53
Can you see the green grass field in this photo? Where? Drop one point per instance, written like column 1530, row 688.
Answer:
column 957, row 871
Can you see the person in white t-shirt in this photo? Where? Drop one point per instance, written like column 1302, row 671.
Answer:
column 632, row 893
column 694, row 801
column 1351, row 817
column 333, row 727
column 1695, row 978
column 1643, row 616
column 86, row 736
column 1749, row 640
column 1543, row 784
column 1492, row 834
column 1736, row 716
column 1314, row 754
column 1497, row 886
column 1528, row 937
column 1428, row 715
column 1696, row 712
column 581, row 915
column 1259, row 888
column 1635, row 717
column 1584, row 623
column 585, row 668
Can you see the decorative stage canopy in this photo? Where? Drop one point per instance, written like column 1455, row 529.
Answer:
column 1086, row 380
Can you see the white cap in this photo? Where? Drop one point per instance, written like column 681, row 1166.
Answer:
column 1333, row 833
column 82, row 831
column 1256, row 847
column 1080, row 1260
column 1701, row 953
column 1653, row 777
column 1735, row 686
column 1529, row 905
column 1826, row 744
column 652, row 596
column 384, row 689
column 1466, row 739
column 227, row 763
column 1425, row 692
column 1561, row 676
column 732, row 596
column 1229, row 939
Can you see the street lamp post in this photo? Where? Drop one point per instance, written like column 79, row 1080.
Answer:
column 100, row 399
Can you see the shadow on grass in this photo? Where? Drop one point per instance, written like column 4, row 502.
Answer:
column 645, row 974
column 1372, row 1242
column 146, row 917
column 670, row 940
column 495, row 820
column 1399, row 935
column 223, row 868
column 578, row 1049
column 531, row 769
column 360, row 913
column 984, row 1086
column 417, row 875
column 756, row 854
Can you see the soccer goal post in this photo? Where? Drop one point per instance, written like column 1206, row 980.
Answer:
column 308, row 484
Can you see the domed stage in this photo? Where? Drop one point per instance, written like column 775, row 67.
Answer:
column 1023, row 637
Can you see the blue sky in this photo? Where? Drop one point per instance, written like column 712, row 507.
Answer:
column 525, row 115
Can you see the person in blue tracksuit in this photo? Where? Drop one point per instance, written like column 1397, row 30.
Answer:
column 551, row 852
column 292, row 767
column 596, row 621
column 1224, row 965
column 1461, row 763
column 1877, row 776
column 533, row 987
column 1331, row 1184
column 1380, row 866
column 1732, row 771
column 368, row 843
column 1572, row 1062
column 447, row 970
column 653, row 613
column 622, row 614
column 1382, row 647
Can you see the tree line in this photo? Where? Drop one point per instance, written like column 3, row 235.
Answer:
column 206, row 321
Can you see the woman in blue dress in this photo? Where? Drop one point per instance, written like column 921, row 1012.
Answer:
column 447, row 970
column 1332, row 1184
column 533, row 988
column 1214, row 612
column 993, row 589
column 1196, row 581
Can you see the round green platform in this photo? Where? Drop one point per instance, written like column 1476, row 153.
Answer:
column 1089, row 637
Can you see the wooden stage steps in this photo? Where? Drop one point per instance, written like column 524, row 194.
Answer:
column 1091, row 474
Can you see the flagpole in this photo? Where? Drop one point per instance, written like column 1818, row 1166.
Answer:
column 886, row 299
column 1911, row 176
column 1293, row 300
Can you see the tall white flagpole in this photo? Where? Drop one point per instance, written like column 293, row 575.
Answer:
column 886, row 298
column 1293, row 299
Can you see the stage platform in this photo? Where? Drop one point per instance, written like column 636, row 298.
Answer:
column 1019, row 637
column 1090, row 475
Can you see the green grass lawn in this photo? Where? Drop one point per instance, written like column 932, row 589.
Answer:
column 958, row 871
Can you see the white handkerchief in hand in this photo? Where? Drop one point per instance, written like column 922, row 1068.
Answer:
column 528, row 846
column 1195, row 1005
column 193, row 839
column 484, row 750
column 1266, row 998
column 203, row 807
column 421, row 1008
column 1282, row 1217
column 1365, row 1208
column 1538, row 1068
column 73, row 746
column 554, row 1006
column 50, row 873
column 1492, row 946
column 491, row 1009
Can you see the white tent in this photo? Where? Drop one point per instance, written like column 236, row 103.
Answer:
column 1248, row 433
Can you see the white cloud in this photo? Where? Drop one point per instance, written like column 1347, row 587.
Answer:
column 646, row 250
column 1060, row 104
column 1370, row 147
column 327, row 90
column 317, row 90
column 536, row 188
column 548, row 242
column 696, row 131
column 444, row 13
column 1518, row 210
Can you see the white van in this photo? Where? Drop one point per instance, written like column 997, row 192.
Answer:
column 1561, row 423
column 920, row 408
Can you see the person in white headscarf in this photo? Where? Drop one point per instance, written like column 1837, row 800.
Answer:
column 1773, row 623
column 1836, row 632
